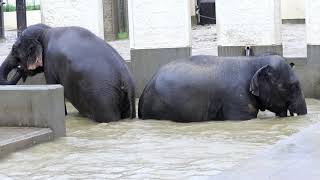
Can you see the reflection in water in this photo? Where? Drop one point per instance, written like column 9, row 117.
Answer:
column 136, row 149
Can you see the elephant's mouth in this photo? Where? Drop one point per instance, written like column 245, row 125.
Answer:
column 33, row 66
column 297, row 109
column 293, row 113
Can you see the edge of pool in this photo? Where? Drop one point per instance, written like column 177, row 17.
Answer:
column 296, row 157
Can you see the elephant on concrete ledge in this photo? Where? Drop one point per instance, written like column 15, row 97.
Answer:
column 95, row 78
column 203, row 88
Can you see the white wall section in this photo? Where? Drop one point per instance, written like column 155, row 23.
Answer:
column 87, row 14
column 293, row 9
column 159, row 24
column 313, row 22
column 248, row 22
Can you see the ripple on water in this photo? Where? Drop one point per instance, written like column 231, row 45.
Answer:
column 139, row 149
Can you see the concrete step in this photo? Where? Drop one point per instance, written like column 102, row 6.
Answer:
column 295, row 158
column 17, row 138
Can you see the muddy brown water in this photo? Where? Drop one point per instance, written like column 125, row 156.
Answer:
column 148, row 149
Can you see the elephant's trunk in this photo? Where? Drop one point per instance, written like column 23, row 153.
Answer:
column 299, row 106
column 7, row 66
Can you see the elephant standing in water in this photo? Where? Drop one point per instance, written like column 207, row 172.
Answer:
column 95, row 78
column 203, row 88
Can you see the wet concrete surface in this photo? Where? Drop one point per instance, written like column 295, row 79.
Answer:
column 295, row 158
column 17, row 138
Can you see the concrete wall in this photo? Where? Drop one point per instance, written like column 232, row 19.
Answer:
column 10, row 19
column 155, row 27
column 255, row 22
column 87, row 14
column 293, row 9
column 33, row 106
column 192, row 5
column 110, row 20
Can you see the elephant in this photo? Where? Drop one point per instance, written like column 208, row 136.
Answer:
column 203, row 88
column 95, row 77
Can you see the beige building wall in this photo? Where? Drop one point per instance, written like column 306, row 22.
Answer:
column 293, row 9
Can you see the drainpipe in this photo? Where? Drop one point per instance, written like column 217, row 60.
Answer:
column 120, row 7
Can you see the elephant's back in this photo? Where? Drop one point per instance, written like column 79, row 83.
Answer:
column 79, row 44
column 83, row 52
column 181, row 82
column 204, row 75
column 183, row 74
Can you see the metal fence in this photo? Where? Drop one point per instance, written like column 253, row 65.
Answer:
column 10, row 5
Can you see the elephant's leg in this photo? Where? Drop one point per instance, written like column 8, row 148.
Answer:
column 106, row 116
column 65, row 108
column 176, row 109
column 105, row 110
column 238, row 112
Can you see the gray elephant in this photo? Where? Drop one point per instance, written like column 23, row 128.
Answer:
column 95, row 78
column 203, row 88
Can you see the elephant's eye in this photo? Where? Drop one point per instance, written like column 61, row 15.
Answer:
column 281, row 87
column 294, row 86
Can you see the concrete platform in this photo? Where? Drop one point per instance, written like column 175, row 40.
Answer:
column 17, row 138
column 295, row 158
column 33, row 106
column 30, row 115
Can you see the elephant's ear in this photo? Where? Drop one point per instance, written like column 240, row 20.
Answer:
column 35, row 56
column 263, row 73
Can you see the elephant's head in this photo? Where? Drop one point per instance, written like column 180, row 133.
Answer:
column 25, row 56
column 277, row 89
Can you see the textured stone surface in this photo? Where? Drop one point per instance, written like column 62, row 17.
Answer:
column 33, row 106
column 254, row 22
column 159, row 24
column 87, row 14
column 110, row 20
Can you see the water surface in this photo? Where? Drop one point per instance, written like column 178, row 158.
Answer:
column 137, row 149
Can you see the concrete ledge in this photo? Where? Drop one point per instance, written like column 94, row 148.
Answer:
column 146, row 62
column 296, row 60
column 33, row 106
column 295, row 158
column 17, row 138
column 256, row 50
column 38, row 79
column 293, row 21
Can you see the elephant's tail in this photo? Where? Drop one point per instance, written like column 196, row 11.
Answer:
column 128, row 98
column 132, row 101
